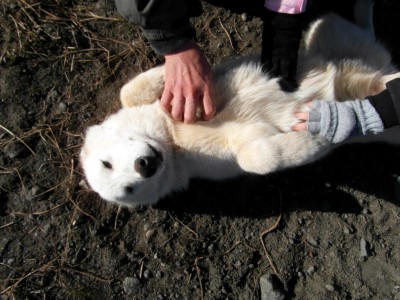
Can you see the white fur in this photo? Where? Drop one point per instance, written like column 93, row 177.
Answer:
column 251, row 130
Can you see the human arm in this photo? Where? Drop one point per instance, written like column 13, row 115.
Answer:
column 338, row 121
column 188, row 83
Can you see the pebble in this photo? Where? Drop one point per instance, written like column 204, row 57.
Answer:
column 61, row 108
column 312, row 241
column 3, row 244
column 269, row 288
column 147, row 274
column 346, row 230
column 130, row 285
column 149, row 233
column 52, row 96
column 14, row 149
column 363, row 248
column 32, row 193
column 83, row 184
column 299, row 274
column 244, row 17
column 330, row 287
column 311, row 270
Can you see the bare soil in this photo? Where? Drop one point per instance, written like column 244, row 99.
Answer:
column 331, row 230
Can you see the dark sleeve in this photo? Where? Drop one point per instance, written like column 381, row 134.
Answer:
column 165, row 23
column 387, row 103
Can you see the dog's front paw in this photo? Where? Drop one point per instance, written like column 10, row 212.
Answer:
column 145, row 88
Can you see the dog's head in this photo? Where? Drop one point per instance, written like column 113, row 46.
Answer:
column 126, row 160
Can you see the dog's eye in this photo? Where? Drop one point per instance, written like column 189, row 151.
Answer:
column 106, row 164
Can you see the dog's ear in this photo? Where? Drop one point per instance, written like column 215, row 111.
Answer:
column 92, row 138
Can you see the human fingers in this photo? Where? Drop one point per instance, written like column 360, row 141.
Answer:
column 166, row 101
column 208, row 107
column 300, row 127
column 178, row 108
column 190, row 111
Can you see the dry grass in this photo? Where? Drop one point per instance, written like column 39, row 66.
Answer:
column 32, row 24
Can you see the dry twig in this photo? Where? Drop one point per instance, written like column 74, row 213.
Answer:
column 268, row 230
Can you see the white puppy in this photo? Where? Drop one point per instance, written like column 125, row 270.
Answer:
column 139, row 154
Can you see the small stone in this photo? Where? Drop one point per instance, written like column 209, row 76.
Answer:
column 135, row 43
column 61, row 108
column 244, row 17
column 312, row 241
column 311, row 270
column 300, row 274
column 346, row 230
column 3, row 244
column 83, row 184
column 328, row 185
column 14, row 149
column 147, row 274
column 52, row 96
column 32, row 193
column 330, row 287
column 46, row 227
column 237, row 263
column 130, row 285
column 270, row 289
column 364, row 248
column 149, row 233
column 159, row 274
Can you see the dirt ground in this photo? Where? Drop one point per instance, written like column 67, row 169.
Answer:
column 331, row 229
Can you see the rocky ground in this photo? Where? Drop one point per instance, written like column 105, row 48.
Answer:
column 329, row 230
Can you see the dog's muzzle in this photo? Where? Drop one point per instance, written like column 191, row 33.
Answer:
column 147, row 166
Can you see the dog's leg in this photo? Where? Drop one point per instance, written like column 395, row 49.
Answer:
column 145, row 88
column 266, row 155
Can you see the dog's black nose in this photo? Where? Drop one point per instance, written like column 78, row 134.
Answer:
column 146, row 166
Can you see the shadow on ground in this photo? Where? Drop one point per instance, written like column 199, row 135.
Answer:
column 371, row 168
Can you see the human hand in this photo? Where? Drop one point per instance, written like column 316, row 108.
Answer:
column 188, row 85
column 302, row 121
column 302, row 118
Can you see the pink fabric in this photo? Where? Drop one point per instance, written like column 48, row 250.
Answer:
column 286, row 6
